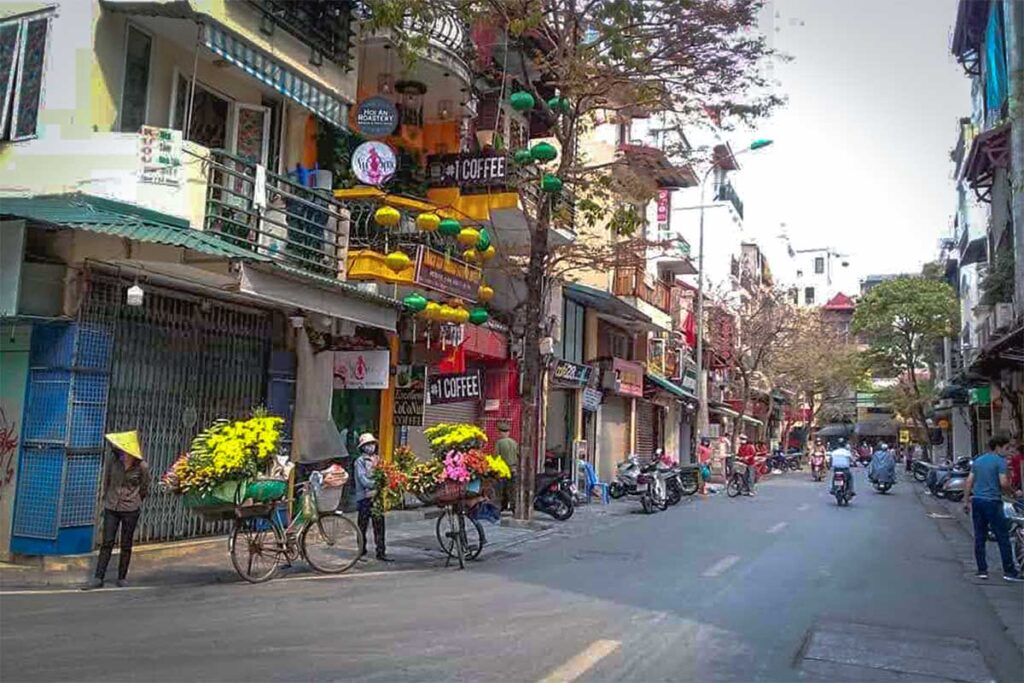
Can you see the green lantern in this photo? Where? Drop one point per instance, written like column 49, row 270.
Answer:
column 558, row 104
column 484, row 240
column 521, row 101
column 522, row 157
column 543, row 152
column 478, row 316
column 415, row 302
column 551, row 183
column 449, row 227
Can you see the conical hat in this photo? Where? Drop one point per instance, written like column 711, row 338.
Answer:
column 127, row 442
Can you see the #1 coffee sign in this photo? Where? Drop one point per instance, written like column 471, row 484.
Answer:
column 453, row 388
column 467, row 170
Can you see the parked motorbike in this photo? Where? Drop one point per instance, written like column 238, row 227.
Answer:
column 777, row 461
column 792, row 462
column 555, row 495
column 626, row 475
column 818, row 466
column 956, row 483
column 650, row 482
column 1014, row 512
column 920, row 469
column 841, row 488
column 939, row 475
column 653, row 494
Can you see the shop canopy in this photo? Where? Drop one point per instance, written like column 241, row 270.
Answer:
column 835, row 429
column 753, row 420
column 605, row 302
column 662, row 383
column 721, row 409
column 879, row 428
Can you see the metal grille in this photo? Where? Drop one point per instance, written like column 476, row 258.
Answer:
column 80, row 485
column 179, row 363
column 40, row 471
column 645, row 429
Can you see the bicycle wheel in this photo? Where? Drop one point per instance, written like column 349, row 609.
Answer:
column 474, row 542
column 1017, row 547
column 255, row 547
column 456, row 535
column 734, row 487
column 330, row 543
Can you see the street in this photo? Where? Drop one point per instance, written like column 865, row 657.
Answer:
column 783, row 586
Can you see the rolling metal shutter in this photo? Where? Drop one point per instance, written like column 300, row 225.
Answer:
column 465, row 411
column 645, row 429
column 613, row 439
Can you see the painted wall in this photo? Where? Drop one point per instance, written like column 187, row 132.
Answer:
column 14, row 347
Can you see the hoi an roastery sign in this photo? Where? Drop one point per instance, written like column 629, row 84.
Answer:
column 467, row 170
column 454, row 388
column 376, row 117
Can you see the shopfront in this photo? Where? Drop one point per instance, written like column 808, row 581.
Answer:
column 565, row 412
column 623, row 384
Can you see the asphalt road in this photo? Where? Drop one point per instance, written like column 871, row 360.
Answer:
column 780, row 587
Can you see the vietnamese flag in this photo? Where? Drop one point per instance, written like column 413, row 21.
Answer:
column 454, row 362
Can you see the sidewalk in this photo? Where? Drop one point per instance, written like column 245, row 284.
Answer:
column 410, row 536
column 1006, row 599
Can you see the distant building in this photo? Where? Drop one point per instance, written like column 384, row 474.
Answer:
column 839, row 312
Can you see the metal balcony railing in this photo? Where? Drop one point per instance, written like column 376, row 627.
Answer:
column 324, row 25
column 448, row 32
column 631, row 282
column 292, row 224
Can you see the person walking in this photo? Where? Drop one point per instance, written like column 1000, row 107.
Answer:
column 126, row 481
column 508, row 450
column 704, row 460
column 365, row 464
column 984, row 502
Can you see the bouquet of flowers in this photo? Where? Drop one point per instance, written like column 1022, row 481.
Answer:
column 446, row 437
column 225, row 451
column 389, row 481
column 424, row 477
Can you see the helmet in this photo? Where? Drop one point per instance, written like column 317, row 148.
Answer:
column 841, row 441
column 366, row 438
column 883, row 446
column 743, row 437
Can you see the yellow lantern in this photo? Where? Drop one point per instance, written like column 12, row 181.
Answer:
column 387, row 216
column 428, row 222
column 488, row 253
column 432, row 311
column 485, row 293
column 445, row 313
column 397, row 261
column 468, row 237
column 460, row 315
column 469, row 256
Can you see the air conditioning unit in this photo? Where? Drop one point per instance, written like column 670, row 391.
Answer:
column 1003, row 317
column 611, row 381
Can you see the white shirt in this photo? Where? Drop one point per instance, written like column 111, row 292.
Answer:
column 840, row 459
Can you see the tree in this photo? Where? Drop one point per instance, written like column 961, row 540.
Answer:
column 903, row 320
column 578, row 60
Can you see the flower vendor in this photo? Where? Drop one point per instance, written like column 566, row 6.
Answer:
column 365, row 465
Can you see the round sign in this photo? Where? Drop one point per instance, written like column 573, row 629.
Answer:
column 374, row 163
column 377, row 117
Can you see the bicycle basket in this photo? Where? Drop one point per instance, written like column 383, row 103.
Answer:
column 449, row 492
column 328, row 499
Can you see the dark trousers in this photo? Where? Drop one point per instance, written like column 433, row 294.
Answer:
column 112, row 520
column 988, row 514
column 365, row 507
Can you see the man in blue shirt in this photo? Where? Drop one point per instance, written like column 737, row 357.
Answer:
column 983, row 499
column 842, row 460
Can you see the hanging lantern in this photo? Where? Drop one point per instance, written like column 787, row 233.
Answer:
column 488, row 253
column 449, row 227
column 558, row 104
column 551, row 183
column 397, row 261
column 522, row 157
column 469, row 256
column 460, row 316
column 478, row 316
column 484, row 240
column 521, row 101
column 415, row 302
column 387, row 216
column 445, row 313
column 543, row 152
column 428, row 222
column 468, row 236
column 432, row 311
column 485, row 293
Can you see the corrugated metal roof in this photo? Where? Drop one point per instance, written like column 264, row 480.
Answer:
column 96, row 214
column 347, row 287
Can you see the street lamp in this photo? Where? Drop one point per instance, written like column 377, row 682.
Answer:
column 702, row 402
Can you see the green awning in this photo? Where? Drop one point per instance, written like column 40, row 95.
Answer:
column 670, row 387
column 84, row 212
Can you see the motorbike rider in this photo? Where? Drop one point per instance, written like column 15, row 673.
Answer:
column 883, row 465
column 842, row 459
column 818, row 455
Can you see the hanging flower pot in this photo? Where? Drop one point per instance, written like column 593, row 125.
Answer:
column 449, row 227
column 387, row 216
column 478, row 316
column 521, row 101
column 551, row 183
column 397, row 261
column 558, row 104
column 415, row 302
column 484, row 240
column 488, row 253
column 485, row 293
column 468, row 236
column 428, row 222
column 543, row 152
column 522, row 157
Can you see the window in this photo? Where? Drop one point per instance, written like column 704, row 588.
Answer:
column 808, row 295
column 22, row 54
column 209, row 121
column 135, row 87
column 819, row 265
column 620, row 346
column 572, row 331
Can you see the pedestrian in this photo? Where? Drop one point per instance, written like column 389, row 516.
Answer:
column 126, row 482
column 508, row 450
column 704, row 460
column 365, row 465
column 983, row 500
column 748, row 455
column 1016, row 466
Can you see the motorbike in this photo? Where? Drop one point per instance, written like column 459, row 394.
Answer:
column 555, row 495
column 627, row 473
column 841, row 488
column 792, row 461
column 818, row 466
column 1014, row 512
column 956, row 483
column 920, row 469
column 650, row 482
column 653, row 494
column 777, row 461
column 953, row 473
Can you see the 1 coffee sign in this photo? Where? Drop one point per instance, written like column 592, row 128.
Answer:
column 453, row 388
column 467, row 170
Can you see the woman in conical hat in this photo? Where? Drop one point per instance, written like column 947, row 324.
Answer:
column 125, row 485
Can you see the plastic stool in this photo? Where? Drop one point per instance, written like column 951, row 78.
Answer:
column 605, row 498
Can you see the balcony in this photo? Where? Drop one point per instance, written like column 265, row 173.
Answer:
column 276, row 217
column 633, row 283
column 325, row 25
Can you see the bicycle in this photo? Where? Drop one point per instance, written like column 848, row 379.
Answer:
column 457, row 539
column 328, row 540
column 737, row 482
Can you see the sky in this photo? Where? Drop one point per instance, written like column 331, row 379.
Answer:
column 860, row 160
